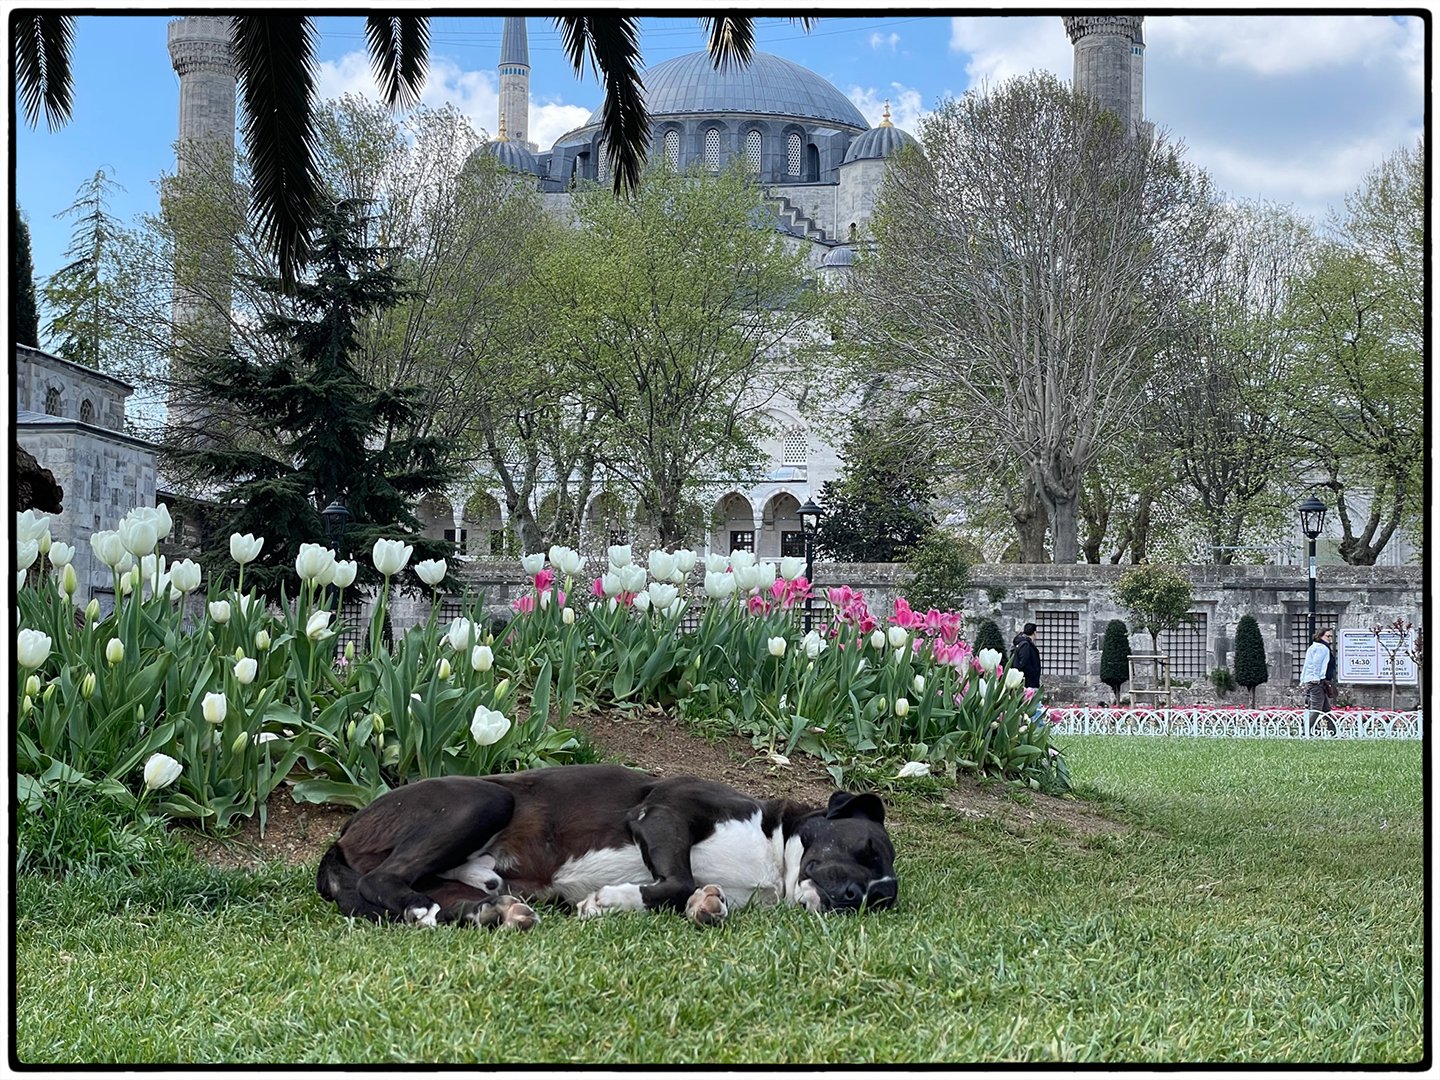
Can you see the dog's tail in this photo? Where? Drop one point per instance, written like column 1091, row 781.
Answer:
column 337, row 880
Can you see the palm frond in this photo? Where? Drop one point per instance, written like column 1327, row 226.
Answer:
column 613, row 47
column 399, row 49
column 42, row 66
column 732, row 40
column 275, row 55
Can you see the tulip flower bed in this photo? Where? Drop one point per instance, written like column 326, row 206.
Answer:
column 204, row 721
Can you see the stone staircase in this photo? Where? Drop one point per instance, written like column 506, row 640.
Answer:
column 793, row 219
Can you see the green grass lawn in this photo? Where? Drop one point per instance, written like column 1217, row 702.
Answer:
column 1267, row 906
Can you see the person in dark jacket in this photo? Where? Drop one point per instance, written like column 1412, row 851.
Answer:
column 1025, row 656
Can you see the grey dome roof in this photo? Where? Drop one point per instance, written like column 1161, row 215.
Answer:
column 767, row 86
column 878, row 142
column 512, row 155
column 839, row 256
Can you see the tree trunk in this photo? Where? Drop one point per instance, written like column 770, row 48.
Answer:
column 1027, row 513
column 1140, row 527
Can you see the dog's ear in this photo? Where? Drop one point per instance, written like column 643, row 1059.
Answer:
column 865, row 805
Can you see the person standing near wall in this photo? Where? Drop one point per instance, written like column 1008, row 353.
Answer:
column 1315, row 679
column 1025, row 655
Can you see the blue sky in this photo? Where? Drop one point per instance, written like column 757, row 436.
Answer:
column 1290, row 108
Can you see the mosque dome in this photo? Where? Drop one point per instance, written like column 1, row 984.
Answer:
column 512, row 155
column 767, row 86
column 879, row 142
column 840, row 256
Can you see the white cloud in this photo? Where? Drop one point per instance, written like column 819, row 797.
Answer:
column 1002, row 48
column 884, row 41
column 1287, row 44
column 905, row 104
column 553, row 119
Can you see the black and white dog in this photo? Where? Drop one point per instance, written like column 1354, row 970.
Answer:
column 602, row 838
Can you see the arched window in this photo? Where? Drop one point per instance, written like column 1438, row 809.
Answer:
column 854, row 232
column 752, row 150
column 87, row 412
column 712, row 149
column 672, row 149
column 792, row 449
column 52, row 401
column 792, row 153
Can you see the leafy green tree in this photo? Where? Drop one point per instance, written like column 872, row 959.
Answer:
column 277, row 442
column 1251, row 667
column 80, row 295
column 24, row 319
column 681, row 312
column 1115, row 656
column 988, row 636
column 1160, row 597
column 879, row 506
column 939, row 572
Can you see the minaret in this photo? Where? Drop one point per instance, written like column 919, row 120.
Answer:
column 201, row 54
column 1110, row 63
column 515, row 82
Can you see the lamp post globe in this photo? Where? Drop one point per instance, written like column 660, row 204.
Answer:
column 336, row 515
column 1312, row 524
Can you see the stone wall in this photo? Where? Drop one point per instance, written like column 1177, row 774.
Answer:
column 38, row 373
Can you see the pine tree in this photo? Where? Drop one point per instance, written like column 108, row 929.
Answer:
column 879, row 507
column 1115, row 656
column 79, row 293
column 283, row 440
column 1251, row 668
column 24, row 319
column 989, row 637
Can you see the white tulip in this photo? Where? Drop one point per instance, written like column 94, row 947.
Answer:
column 214, row 708
column 918, row 683
column 718, row 585
column 791, row 567
column 662, row 595
column 488, row 726
column 114, row 651
column 764, row 576
column 1014, row 679
column 316, row 563
column 163, row 524
column 245, row 549
column 632, row 578
column 554, row 554
column 107, row 547
column 716, row 564
column 642, row 602
column 185, row 575
column 345, row 571
column 460, row 634
column 988, row 660
column 877, row 639
column 897, row 636
column 69, row 582
column 26, row 552
column 984, row 689
column 902, row 706
column 443, row 668
column 161, row 770
column 620, row 555
column 219, row 611
column 740, row 559
column 662, row 565
column 317, row 626
column 814, row 644
column 685, row 560
column 777, row 646
column 138, row 535
column 31, row 525
column 32, row 648
column 19, row 580
column 533, row 564
column 571, row 562
column 262, row 640
column 245, row 670
column 61, row 554
column 431, row 571
column 390, row 556
column 611, row 585
column 913, row 768
column 746, row 578
column 87, row 686
column 481, row 658
column 567, row 616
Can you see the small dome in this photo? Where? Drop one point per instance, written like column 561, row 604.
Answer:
column 512, row 155
column 879, row 142
column 839, row 256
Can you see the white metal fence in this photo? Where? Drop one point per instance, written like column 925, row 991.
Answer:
column 1275, row 723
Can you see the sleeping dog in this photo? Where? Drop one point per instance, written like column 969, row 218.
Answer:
column 601, row 838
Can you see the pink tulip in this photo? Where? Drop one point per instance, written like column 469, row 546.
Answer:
column 544, row 579
column 524, row 605
column 596, row 590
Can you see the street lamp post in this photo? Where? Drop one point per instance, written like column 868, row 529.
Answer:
column 336, row 515
column 1312, row 524
column 810, row 515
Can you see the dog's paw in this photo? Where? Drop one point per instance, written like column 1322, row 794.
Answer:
column 808, row 896
column 609, row 899
column 706, row 906
column 516, row 914
column 422, row 916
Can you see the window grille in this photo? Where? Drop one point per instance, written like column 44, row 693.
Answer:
column 52, row 401
column 793, row 447
column 458, row 541
column 616, row 537
column 742, row 539
column 1057, row 636
column 672, row 149
column 712, row 149
column 448, row 612
column 604, row 165
column 352, row 627
column 792, row 153
column 1300, row 637
column 1185, row 645
column 793, row 543
column 752, row 150
column 87, row 412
